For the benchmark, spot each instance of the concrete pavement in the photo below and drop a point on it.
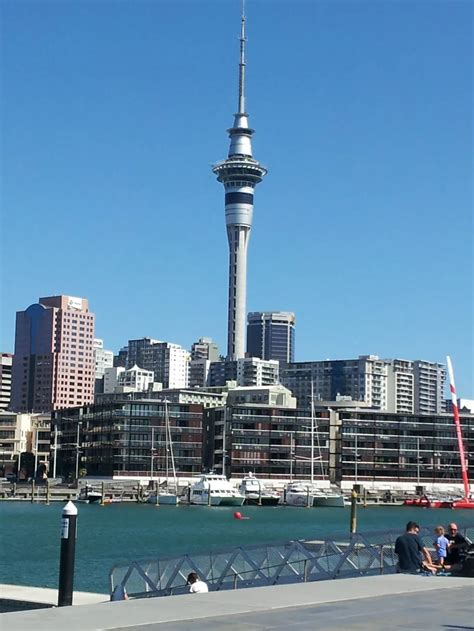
(389, 602)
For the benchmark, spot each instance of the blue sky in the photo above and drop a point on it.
(113, 113)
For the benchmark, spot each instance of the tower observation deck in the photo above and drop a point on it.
(239, 173)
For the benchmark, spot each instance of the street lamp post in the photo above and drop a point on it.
(55, 448)
(36, 452)
(77, 450)
(418, 460)
(356, 458)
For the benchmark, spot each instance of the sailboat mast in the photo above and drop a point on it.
(166, 442)
(457, 423)
(312, 433)
(173, 468)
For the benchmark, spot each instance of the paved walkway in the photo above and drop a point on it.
(375, 602)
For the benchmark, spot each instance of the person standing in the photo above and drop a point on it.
(196, 585)
(413, 555)
(441, 546)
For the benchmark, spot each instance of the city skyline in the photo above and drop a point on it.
(354, 231)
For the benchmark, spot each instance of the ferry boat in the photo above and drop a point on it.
(255, 492)
(214, 490)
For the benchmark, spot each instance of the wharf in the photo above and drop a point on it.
(369, 603)
(22, 597)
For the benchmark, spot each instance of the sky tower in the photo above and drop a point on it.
(239, 174)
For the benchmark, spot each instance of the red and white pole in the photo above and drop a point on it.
(457, 423)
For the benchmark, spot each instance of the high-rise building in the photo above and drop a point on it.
(53, 364)
(430, 378)
(271, 335)
(102, 357)
(393, 385)
(205, 348)
(362, 379)
(169, 362)
(239, 173)
(203, 352)
(247, 371)
(6, 360)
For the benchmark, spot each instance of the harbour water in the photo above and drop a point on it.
(29, 534)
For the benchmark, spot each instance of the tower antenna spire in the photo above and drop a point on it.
(241, 109)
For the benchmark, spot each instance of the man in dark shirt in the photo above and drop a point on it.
(457, 545)
(411, 551)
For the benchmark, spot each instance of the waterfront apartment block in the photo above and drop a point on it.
(169, 362)
(356, 445)
(124, 435)
(393, 385)
(6, 361)
(24, 434)
(53, 364)
(271, 335)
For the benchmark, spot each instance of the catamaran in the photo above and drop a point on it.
(214, 490)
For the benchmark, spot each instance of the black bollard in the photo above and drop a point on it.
(68, 550)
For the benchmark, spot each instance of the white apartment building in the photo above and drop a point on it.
(135, 379)
(253, 371)
(400, 386)
(102, 357)
(169, 362)
(429, 379)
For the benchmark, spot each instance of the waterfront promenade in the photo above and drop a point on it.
(369, 603)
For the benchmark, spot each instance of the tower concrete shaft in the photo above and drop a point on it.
(239, 173)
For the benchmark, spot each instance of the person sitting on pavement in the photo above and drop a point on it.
(197, 586)
(119, 593)
(457, 545)
(413, 555)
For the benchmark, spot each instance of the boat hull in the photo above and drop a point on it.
(463, 504)
(168, 499)
(264, 500)
(329, 501)
(301, 500)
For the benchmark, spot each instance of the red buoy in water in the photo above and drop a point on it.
(237, 515)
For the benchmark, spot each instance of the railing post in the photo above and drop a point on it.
(381, 558)
(353, 525)
(305, 574)
(236, 578)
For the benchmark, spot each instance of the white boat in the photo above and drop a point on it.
(255, 492)
(299, 494)
(330, 499)
(214, 490)
(89, 495)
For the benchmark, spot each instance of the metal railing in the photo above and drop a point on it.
(263, 565)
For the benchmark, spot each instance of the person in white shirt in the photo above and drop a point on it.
(197, 586)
